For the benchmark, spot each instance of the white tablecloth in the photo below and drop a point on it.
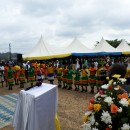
(36, 108)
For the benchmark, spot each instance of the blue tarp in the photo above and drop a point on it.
(96, 54)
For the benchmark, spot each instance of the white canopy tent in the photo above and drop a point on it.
(40, 49)
(43, 50)
(123, 47)
(76, 47)
(104, 46)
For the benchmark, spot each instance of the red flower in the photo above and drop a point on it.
(100, 91)
(110, 87)
(108, 129)
(91, 100)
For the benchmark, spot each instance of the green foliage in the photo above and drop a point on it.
(114, 43)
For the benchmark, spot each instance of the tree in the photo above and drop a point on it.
(114, 43)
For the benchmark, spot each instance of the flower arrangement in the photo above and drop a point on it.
(110, 109)
(38, 83)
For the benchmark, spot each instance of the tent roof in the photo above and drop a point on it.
(40, 49)
(76, 47)
(123, 47)
(104, 46)
(43, 50)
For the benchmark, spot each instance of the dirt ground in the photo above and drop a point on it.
(71, 106)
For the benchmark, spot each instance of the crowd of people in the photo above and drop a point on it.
(78, 75)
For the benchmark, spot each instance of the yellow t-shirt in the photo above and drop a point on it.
(84, 72)
(59, 70)
(50, 70)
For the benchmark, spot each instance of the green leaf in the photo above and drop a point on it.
(124, 120)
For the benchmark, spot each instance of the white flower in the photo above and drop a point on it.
(94, 129)
(103, 95)
(96, 123)
(114, 83)
(97, 95)
(88, 113)
(123, 80)
(125, 127)
(120, 109)
(124, 102)
(106, 118)
(108, 100)
(99, 99)
(105, 86)
(110, 126)
(116, 88)
(86, 126)
(92, 120)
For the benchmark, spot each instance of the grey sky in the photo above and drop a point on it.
(22, 22)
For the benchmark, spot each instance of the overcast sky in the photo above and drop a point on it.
(22, 22)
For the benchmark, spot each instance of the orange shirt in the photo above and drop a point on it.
(38, 70)
(92, 71)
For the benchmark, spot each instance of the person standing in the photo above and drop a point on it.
(92, 77)
(22, 76)
(77, 65)
(27, 66)
(39, 76)
(77, 79)
(31, 75)
(64, 76)
(70, 73)
(59, 75)
(6, 74)
(2, 75)
(84, 79)
(16, 69)
(10, 78)
(50, 71)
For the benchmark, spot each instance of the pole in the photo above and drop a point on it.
(10, 50)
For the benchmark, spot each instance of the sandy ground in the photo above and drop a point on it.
(71, 106)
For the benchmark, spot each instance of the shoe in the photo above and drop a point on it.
(69, 88)
(92, 91)
(59, 86)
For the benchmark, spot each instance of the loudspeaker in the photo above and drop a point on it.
(19, 58)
